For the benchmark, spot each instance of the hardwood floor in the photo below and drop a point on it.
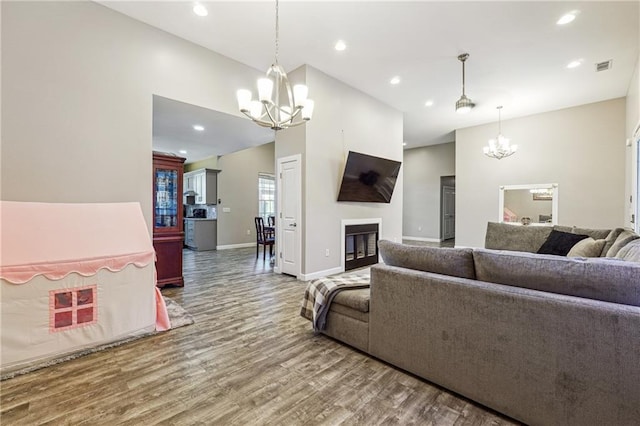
(248, 359)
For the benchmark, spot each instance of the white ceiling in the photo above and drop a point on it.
(173, 130)
(518, 55)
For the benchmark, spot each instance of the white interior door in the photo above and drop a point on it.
(289, 212)
(448, 212)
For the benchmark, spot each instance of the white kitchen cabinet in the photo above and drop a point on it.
(204, 182)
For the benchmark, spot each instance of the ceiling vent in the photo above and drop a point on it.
(603, 66)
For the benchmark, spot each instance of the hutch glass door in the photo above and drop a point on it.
(166, 203)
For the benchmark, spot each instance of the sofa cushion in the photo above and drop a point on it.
(563, 228)
(455, 262)
(504, 236)
(587, 248)
(630, 252)
(357, 299)
(594, 278)
(560, 243)
(623, 239)
(596, 234)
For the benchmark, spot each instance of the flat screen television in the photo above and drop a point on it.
(368, 179)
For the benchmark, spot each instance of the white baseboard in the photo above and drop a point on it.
(320, 274)
(426, 240)
(235, 246)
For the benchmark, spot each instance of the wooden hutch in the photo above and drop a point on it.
(168, 232)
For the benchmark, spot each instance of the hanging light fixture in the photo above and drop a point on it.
(499, 147)
(277, 107)
(464, 104)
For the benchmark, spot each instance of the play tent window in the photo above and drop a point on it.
(71, 308)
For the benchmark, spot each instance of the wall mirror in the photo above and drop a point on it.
(535, 204)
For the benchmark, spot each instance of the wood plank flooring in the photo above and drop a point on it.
(249, 359)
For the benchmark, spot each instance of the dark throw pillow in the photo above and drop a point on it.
(559, 243)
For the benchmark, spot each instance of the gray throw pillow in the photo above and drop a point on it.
(587, 248)
(623, 239)
(630, 252)
(594, 278)
(455, 262)
(610, 239)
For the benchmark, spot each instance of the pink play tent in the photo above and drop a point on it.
(72, 277)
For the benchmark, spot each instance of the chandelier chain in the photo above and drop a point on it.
(277, 31)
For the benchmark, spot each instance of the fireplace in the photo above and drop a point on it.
(360, 245)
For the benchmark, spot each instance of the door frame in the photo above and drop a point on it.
(279, 161)
(634, 143)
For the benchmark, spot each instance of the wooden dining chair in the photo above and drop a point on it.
(271, 222)
(263, 238)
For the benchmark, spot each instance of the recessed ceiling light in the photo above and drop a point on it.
(182, 151)
(340, 45)
(429, 103)
(395, 80)
(574, 64)
(198, 127)
(200, 10)
(404, 144)
(567, 18)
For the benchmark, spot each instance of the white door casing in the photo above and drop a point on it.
(635, 187)
(289, 190)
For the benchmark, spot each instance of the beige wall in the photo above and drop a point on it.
(423, 168)
(77, 87)
(238, 191)
(581, 148)
(344, 119)
(631, 169)
(207, 163)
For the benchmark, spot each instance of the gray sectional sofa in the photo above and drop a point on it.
(544, 339)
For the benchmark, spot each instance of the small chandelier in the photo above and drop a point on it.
(499, 147)
(464, 104)
(277, 107)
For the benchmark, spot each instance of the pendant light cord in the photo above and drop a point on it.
(463, 78)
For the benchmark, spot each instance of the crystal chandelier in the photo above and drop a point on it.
(499, 147)
(464, 104)
(277, 107)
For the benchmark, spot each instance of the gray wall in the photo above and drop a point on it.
(581, 148)
(423, 168)
(344, 119)
(77, 82)
(238, 190)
